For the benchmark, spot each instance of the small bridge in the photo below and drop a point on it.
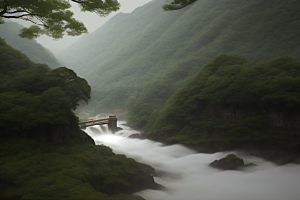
(111, 121)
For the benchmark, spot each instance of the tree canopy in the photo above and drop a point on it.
(201, 110)
(53, 17)
(34, 96)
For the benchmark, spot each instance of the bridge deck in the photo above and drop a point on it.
(111, 122)
(95, 122)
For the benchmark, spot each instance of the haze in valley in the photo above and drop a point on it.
(91, 20)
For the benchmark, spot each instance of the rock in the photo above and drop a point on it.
(148, 169)
(230, 162)
(148, 184)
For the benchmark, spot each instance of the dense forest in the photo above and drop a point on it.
(35, 51)
(159, 51)
(223, 74)
(74, 170)
(44, 154)
(35, 97)
(234, 100)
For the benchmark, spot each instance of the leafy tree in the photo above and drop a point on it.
(53, 17)
(198, 112)
(32, 96)
(76, 88)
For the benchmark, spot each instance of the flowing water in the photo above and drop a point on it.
(188, 177)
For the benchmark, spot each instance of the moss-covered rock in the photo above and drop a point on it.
(230, 162)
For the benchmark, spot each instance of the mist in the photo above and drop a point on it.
(91, 20)
(187, 174)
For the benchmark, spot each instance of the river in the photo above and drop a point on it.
(189, 177)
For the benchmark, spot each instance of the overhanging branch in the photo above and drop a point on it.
(17, 11)
(26, 19)
(19, 16)
(77, 1)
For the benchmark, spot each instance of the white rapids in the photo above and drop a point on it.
(189, 176)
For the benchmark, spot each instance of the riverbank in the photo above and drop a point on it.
(186, 173)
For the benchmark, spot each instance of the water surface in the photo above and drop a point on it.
(189, 177)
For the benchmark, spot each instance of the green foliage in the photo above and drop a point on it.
(32, 96)
(158, 52)
(177, 4)
(53, 16)
(30, 170)
(76, 88)
(197, 112)
(31, 32)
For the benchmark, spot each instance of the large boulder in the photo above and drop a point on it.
(230, 162)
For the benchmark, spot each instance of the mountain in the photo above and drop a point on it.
(138, 60)
(36, 52)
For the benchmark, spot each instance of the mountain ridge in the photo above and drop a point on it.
(35, 51)
(142, 58)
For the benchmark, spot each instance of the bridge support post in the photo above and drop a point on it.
(112, 124)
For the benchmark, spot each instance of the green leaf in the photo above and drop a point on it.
(31, 32)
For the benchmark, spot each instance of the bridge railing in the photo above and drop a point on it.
(111, 121)
(96, 121)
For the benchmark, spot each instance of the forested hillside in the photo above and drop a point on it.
(35, 51)
(37, 102)
(138, 60)
(43, 153)
(234, 103)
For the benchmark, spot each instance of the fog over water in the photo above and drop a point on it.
(190, 178)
